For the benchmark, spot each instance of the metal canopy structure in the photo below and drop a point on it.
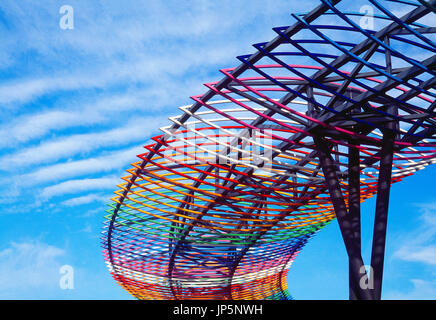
(324, 116)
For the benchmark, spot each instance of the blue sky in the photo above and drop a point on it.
(77, 105)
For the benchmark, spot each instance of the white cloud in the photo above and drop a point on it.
(62, 171)
(76, 113)
(32, 126)
(96, 54)
(79, 185)
(422, 290)
(29, 266)
(418, 253)
(420, 245)
(50, 151)
(147, 70)
(85, 200)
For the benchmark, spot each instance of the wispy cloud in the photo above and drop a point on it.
(79, 185)
(420, 244)
(63, 171)
(421, 290)
(90, 198)
(96, 54)
(33, 126)
(29, 266)
(54, 150)
(76, 113)
(146, 70)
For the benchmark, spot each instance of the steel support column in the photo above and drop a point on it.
(354, 210)
(381, 213)
(329, 169)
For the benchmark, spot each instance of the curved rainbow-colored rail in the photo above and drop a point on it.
(221, 203)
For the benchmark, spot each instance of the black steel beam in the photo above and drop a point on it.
(345, 225)
(354, 211)
(381, 213)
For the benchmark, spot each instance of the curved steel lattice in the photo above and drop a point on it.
(221, 203)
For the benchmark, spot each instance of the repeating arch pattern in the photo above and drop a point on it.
(221, 203)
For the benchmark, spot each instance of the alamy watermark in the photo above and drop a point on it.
(66, 282)
(367, 278)
(66, 21)
(367, 20)
(191, 145)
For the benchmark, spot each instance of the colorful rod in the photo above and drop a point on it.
(220, 204)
